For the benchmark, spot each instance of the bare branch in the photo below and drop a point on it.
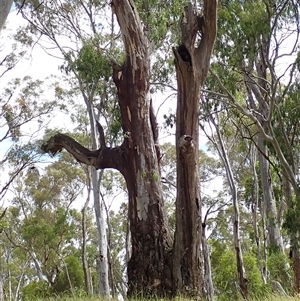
(80, 153)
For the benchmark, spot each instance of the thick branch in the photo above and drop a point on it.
(104, 157)
(189, 26)
(210, 23)
(209, 33)
(80, 153)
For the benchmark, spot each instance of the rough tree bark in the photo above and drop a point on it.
(137, 159)
(150, 266)
(192, 64)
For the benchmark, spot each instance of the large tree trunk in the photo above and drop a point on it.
(150, 265)
(150, 236)
(191, 68)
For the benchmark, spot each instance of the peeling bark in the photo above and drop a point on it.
(192, 64)
(149, 270)
(150, 236)
(150, 265)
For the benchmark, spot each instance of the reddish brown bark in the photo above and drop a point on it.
(150, 266)
(192, 64)
(147, 270)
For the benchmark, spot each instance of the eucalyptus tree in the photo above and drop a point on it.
(41, 223)
(24, 107)
(216, 138)
(256, 85)
(164, 270)
(82, 25)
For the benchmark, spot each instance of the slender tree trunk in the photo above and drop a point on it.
(5, 6)
(2, 296)
(87, 283)
(243, 282)
(274, 233)
(111, 272)
(254, 209)
(103, 269)
(208, 283)
(291, 221)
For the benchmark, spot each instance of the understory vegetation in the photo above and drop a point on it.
(150, 149)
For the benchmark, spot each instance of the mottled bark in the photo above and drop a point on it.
(254, 209)
(87, 282)
(2, 296)
(192, 64)
(208, 283)
(269, 203)
(150, 264)
(137, 159)
(5, 6)
(148, 272)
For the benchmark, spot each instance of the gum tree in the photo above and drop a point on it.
(156, 266)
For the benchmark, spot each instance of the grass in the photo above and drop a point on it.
(276, 298)
(271, 298)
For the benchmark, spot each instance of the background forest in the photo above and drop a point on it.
(65, 226)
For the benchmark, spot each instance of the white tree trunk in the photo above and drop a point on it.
(255, 205)
(208, 283)
(102, 239)
(2, 296)
(103, 269)
(5, 6)
(219, 145)
(274, 233)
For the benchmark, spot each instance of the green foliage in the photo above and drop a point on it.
(239, 39)
(160, 16)
(36, 290)
(225, 275)
(91, 63)
(71, 274)
(279, 268)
